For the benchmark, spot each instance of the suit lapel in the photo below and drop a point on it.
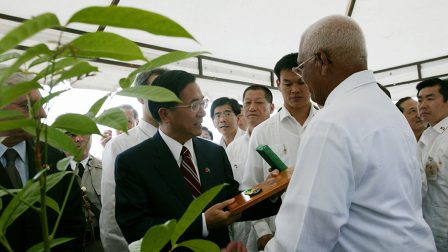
(202, 160)
(169, 171)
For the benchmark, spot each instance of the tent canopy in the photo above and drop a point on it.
(409, 34)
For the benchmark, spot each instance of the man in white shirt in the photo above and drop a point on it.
(224, 113)
(357, 185)
(257, 107)
(433, 151)
(111, 235)
(282, 132)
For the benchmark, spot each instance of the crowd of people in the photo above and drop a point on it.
(369, 175)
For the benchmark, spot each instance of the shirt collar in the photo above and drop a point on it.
(284, 113)
(353, 81)
(20, 148)
(174, 146)
(146, 127)
(441, 126)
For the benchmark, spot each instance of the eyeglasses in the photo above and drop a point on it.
(194, 106)
(225, 114)
(298, 69)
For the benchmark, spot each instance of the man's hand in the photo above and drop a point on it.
(262, 241)
(216, 216)
(234, 246)
(107, 135)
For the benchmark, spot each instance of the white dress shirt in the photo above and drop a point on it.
(111, 235)
(21, 160)
(434, 144)
(282, 133)
(239, 132)
(237, 154)
(357, 185)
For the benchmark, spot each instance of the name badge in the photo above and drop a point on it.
(431, 170)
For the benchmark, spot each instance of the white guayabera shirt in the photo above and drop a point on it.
(357, 185)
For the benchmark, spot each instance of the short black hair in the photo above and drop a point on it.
(143, 77)
(209, 131)
(443, 86)
(286, 62)
(399, 102)
(175, 81)
(225, 101)
(267, 92)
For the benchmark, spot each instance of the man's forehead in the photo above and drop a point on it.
(224, 107)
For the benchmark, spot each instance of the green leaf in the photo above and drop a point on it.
(158, 236)
(55, 138)
(12, 92)
(93, 111)
(4, 191)
(199, 245)
(56, 66)
(162, 60)
(114, 118)
(131, 18)
(64, 163)
(40, 246)
(105, 45)
(194, 209)
(39, 104)
(76, 124)
(40, 60)
(30, 194)
(40, 49)
(6, 114)
(28, 29)
(8, 56)
(16, 124)
(152, 93)
(51, 203)
(78, 70)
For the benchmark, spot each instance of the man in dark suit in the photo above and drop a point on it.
(151, 184)
(25, 231)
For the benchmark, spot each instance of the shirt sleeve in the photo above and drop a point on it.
(111, 236)
(311, 215)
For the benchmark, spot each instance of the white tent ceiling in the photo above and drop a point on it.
(259, 32)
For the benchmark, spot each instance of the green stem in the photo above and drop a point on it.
(5, 243)
(63, 204)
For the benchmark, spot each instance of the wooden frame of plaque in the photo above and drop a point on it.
(269, 187)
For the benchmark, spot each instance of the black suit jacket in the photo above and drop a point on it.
(26, 230)
(150, 188)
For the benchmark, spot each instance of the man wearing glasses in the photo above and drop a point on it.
(157, 179)
(225, 114)
(282, 132)
(356, 184)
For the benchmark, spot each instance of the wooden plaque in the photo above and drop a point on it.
(269, 187)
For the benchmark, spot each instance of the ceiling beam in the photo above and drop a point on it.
(350, 7)
(101, 28)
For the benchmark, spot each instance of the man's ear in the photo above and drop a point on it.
(164, 115)
(271, 108)
(325, 62)
(278, 82)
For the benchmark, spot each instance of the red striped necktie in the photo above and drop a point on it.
(189, 172)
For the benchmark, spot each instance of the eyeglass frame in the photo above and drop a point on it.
(226, 114)
(202, 103)
(298, 70)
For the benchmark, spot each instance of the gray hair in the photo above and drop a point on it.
(340, 37)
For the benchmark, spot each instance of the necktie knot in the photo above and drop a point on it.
(185, 152)
(11, 155)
